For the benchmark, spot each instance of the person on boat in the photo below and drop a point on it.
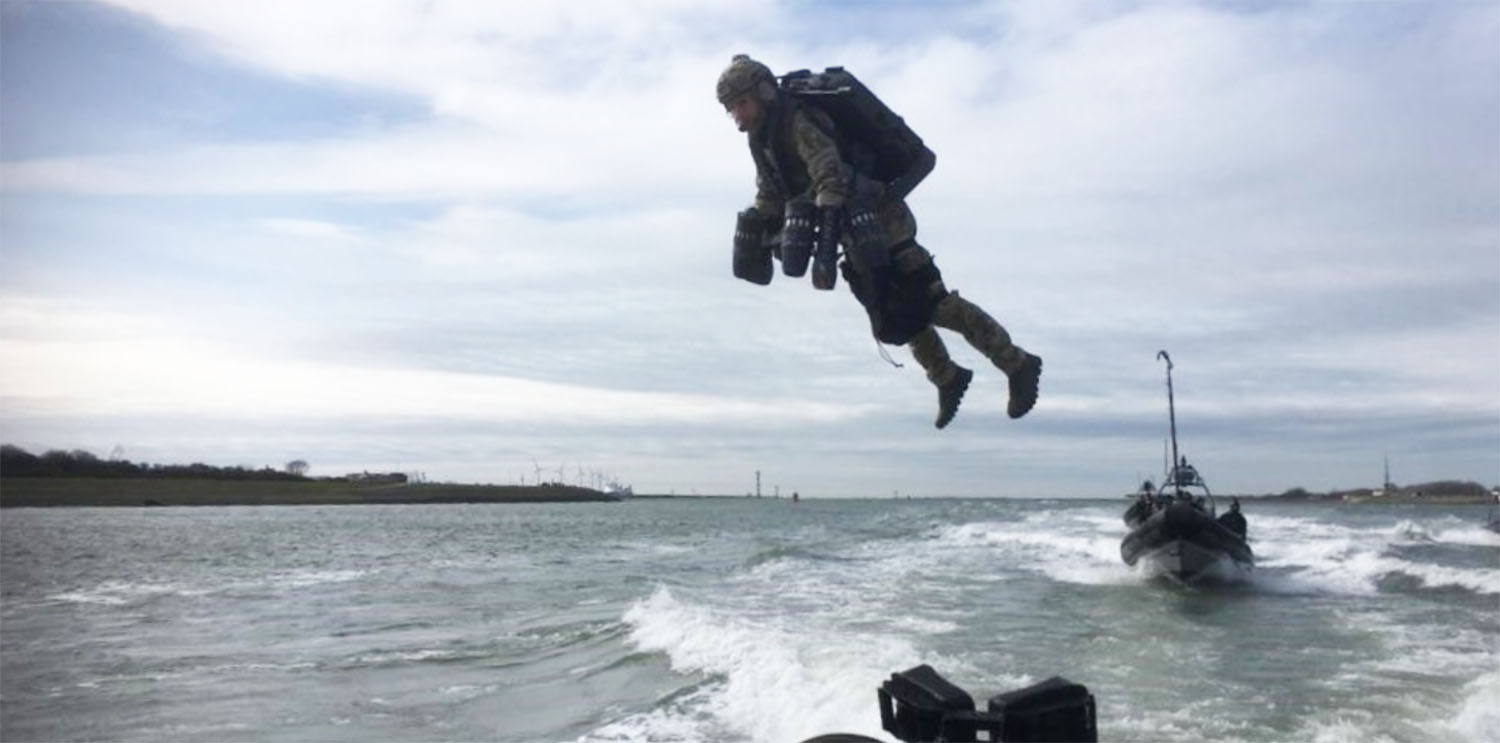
(796, 149)
(1186, 473)
(1233, 520)
(1140, 510)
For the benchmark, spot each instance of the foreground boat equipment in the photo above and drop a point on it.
(920, 705)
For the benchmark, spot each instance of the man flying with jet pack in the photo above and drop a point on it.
(833, 167)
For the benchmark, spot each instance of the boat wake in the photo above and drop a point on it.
(774, 679)
(1308, 556)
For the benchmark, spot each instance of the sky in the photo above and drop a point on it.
(482, 241)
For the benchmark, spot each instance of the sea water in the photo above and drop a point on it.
(729, 620)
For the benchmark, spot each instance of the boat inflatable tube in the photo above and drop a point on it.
(1182, 522)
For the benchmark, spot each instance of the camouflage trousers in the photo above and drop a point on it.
(952, 312)
(977, 327)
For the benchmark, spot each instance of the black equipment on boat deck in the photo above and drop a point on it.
(918, 704)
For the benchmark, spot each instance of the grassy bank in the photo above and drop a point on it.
(31, 492)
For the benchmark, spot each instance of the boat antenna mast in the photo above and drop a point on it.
(1172, 420)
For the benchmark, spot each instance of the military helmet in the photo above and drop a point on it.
(742, 76)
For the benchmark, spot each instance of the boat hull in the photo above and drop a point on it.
(1188, 544)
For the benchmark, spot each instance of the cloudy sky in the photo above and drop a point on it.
(474, 239)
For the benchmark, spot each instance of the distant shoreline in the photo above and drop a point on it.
(1434, 500)
(1449, 499)
(43, 492)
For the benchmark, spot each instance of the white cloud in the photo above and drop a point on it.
(311, 229)
(1112, 179)
(150, 374)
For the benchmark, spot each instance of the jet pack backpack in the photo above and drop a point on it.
(876, 141)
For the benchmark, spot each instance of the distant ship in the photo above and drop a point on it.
(618, 490)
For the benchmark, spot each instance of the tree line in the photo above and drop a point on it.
(1436, 487)
(17, 462)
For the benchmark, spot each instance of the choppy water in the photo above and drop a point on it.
(733, 620)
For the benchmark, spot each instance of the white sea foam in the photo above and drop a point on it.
(1072, 555)
(780, 679)
(303, 578)
(1359, 575)
(1340, 728)
(1479, 717)
(656, 548)
(1410, 531)
(96, 596)
(923, 625)
(1319, 557)
(205, 731)
(677, 723)
(1411, 658)
(1447, 529)
(1486, 581)
(119, 593)
(1415, 649)
(1468, 534)
(391, 657)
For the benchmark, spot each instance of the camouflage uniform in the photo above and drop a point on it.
(800, 158)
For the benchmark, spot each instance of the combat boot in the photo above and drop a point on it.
(951, 394)
(1023, 384)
